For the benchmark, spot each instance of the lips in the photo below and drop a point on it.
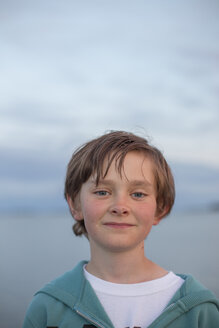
(120, 225)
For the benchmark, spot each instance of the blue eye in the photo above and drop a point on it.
(138, 194)
(101, 193)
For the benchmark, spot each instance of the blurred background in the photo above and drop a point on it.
(72, 70)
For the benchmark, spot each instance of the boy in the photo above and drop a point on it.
(117, 187)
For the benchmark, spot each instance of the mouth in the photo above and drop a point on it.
(116, 225)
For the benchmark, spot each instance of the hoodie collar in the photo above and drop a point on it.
(73, 290)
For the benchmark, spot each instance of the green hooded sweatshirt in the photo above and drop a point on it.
(70, 301)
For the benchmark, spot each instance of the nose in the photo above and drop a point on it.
(120, 204)
(119, 207)
(119, 210)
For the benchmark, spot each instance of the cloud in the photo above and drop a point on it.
(72, 70)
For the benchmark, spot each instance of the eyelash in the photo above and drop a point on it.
(138, 193)
(101, 193)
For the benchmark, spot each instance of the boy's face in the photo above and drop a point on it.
(119, 212)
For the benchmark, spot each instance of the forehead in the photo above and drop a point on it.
(133, 165)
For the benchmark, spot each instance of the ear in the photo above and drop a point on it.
(159, 215)
(157, 220)
(75, 209)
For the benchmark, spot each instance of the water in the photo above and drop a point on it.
(35, 250)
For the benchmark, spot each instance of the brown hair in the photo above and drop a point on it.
(89, 159)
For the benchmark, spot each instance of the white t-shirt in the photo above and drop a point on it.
(135, 305)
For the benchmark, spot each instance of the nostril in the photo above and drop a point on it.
(119, 211)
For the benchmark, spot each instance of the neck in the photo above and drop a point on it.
(123, 267)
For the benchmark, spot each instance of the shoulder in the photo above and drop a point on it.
(55, 295)
(36, 312)
(192, 305)
(205, 314)
(193, 297)
(70, 282)
(191, 287)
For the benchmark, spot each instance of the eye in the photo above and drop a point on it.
(101, 193)
(138, 194)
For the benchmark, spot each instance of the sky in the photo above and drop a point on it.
(72, 70)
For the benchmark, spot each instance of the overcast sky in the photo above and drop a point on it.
(70, 70)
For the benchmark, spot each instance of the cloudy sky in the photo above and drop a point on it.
(71, 70)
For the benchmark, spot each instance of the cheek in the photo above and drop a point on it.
(91, 211)
(91, 214)
(147, 209)
(146, 213)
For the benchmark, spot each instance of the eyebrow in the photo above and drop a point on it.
(140, 183)
(133, 183)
